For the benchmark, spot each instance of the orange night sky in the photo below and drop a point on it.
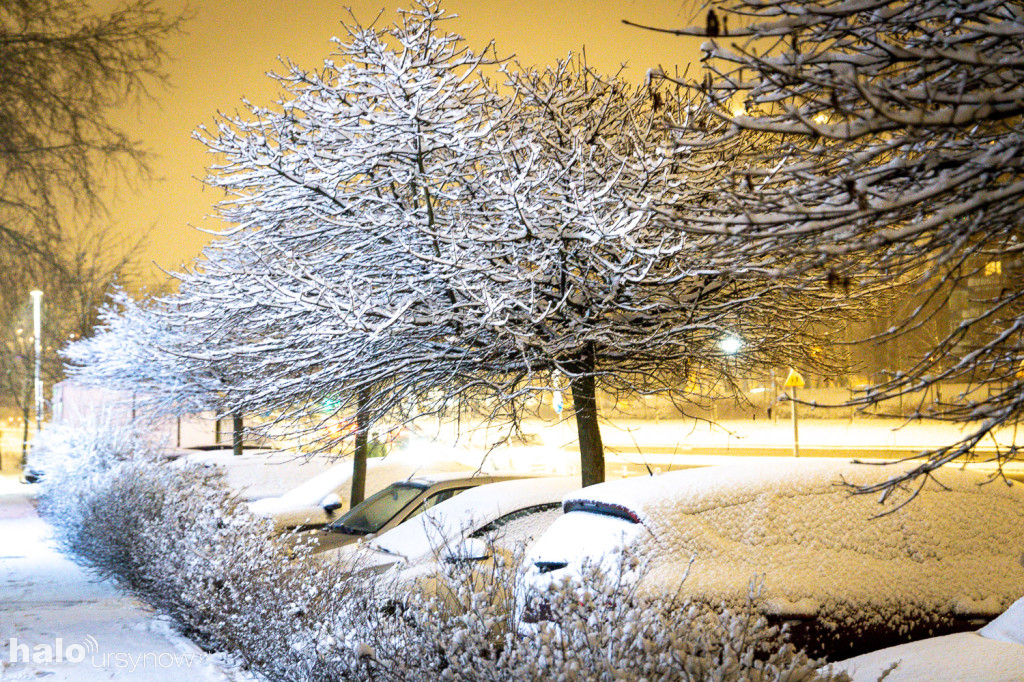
(230, 45)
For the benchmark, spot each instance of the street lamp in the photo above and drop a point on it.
(37, 300)
(730, 345)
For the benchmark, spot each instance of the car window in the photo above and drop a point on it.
(436, 499)
(370, 515)
(521, 526)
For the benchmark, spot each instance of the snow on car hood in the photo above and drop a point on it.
(259, 474)
(957, 545)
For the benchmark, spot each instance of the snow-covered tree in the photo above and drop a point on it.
(892, 151)
(135, 348)
(65, 67)
(405, 236)
(578, 279)
(75, 279)
(340, 196)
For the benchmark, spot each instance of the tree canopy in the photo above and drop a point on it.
(64, 69)
(404, 235)
(891, 154)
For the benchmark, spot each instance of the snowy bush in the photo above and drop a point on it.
(67, 455)
(463, 627)
(180, 540)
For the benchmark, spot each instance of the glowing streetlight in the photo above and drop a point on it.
(37, 301)
(730, 345)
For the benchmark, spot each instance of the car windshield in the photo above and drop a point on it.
(370, 515)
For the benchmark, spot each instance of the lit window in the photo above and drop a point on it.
(993, 268)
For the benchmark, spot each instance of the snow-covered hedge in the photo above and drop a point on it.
(468, 628)
(177, 538)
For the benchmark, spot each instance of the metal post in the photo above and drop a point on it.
(37, 297)
(796, 430)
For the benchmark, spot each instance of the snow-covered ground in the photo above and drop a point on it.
(57, 622)
(837, 433)
(630, 448)
(667, 445)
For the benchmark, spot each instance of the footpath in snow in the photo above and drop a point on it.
(58, 622)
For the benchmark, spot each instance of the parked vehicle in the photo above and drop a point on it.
(224, 448)
(494, 517)
(324, 497)
(258, 472)
(849, 575)
(396, 503)
(31, 474)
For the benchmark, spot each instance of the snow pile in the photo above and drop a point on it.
(1009, 627)
(994, 654)
(963, 657)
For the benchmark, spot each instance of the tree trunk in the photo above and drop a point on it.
(584, 398)
(236, 433)
(359, 459)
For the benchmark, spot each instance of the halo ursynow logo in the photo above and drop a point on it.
(58, 653)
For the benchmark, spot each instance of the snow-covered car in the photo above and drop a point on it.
(31, 474)
(393, 505)
(849, 575)
(324, 497)
(995, 653)
(496, 517)
(258, 472)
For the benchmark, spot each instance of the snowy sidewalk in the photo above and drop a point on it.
(64, 624)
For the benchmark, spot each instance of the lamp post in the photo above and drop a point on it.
(37, 300)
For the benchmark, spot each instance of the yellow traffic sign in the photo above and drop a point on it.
(794, 380)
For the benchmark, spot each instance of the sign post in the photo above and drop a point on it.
(794, 381)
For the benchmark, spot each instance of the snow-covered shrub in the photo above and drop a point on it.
(599, 627)
(69, 455)
(180, 540)
(464, 627)
(77, 462)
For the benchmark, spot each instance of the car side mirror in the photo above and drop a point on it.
(470, 549)
(331, 504)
